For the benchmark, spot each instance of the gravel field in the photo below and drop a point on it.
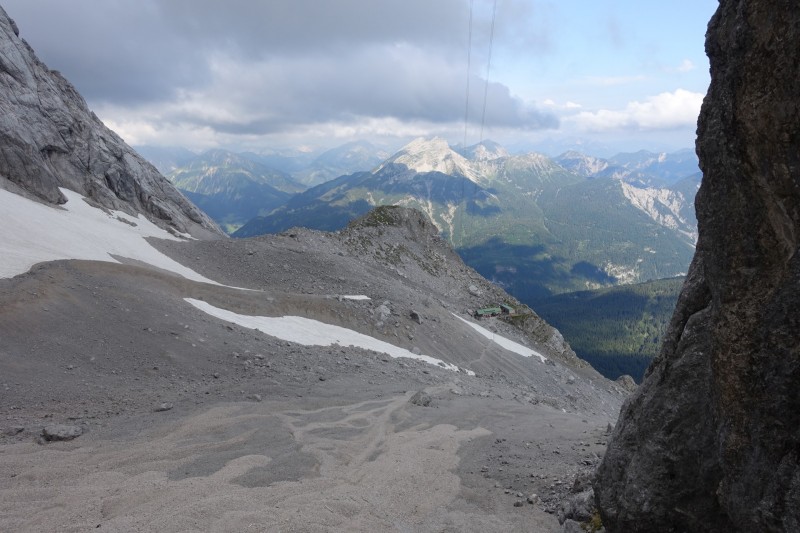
(190, 423)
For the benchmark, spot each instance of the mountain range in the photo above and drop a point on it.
(532, 224)
(185, 380)
(231, 188)
(160, 376)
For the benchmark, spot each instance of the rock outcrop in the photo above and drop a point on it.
(711, 440)
(49, 139)
(407, 242)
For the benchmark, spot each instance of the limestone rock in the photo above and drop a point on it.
(711, 439)
(49, 139)
(571, 526)
(421, 398)
(577, 506)
(165, 406)
(57, 432)
(626, 382)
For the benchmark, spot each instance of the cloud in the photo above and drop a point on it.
(686, 66)
(568, 105)
(242, 68)
(664, 111)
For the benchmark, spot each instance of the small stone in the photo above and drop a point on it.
(166, 406)
(571, 526)
(518, 503)
(255, 397)
(56, 432)
(421, 398)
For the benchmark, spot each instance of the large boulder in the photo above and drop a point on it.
(50, 139)
(711, 439)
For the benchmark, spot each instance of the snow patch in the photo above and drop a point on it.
(508, 344)
(32, 233)
(309, 332)
(356, 297)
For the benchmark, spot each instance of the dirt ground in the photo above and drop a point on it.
(190, 423)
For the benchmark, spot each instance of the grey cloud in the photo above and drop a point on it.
(401, 83)
(252, 67)
(120, 52)
(298, 26)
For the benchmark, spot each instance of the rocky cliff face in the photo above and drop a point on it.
(711, 440)
(49, 139)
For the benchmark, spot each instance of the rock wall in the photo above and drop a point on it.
(711, 440)
(49, 139)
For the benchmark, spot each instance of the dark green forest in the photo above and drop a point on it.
(618, 330)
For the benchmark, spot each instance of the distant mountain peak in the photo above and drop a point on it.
(486, 151)
(433, 155)
(582, 164)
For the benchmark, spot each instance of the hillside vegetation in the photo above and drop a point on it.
(618, 330)
(522, 221)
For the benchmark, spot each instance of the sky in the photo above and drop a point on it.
(607, 75)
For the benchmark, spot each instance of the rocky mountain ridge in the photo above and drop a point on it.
(50, 139)
(431, 155)
(241, 383)
(523, 221)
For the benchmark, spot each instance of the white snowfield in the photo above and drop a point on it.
(508, 344)
(31, 232)
(309, 332)
(356, 297)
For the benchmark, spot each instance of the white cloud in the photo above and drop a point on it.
(686, 66)
(568, 105)
(661, 112)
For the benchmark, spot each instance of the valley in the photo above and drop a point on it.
(539, 227)
(184, 418)
(618, 330)
(335, 336)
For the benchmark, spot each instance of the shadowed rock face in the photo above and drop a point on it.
(49, 139)
(711, 440)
